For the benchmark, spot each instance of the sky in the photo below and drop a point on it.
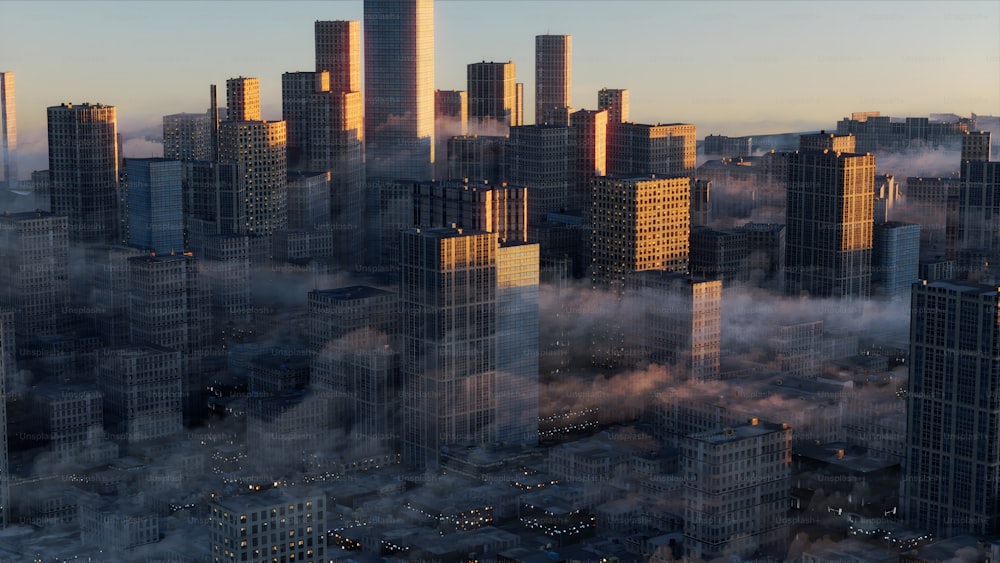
(734, 68)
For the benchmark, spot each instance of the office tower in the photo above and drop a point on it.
(348, 319)
(638, 224)
(187, 136)
(616, 102)
(492, 208)
(701, 201)
(951, 483)
(85, 138)
(492, 89)
(259, 147)
(142, 392)
(719, 254)
(829, 212)
(590, 136)
(541, 159)
(8, 129)
(978, 216)
(168, 302)
(451, 118)
(34, 274)
(766, 255)
(154, 204)
(399, 88)
(300, 93)
(214, 200)
(338, 51)
(108, 270)
(448, 298)
(286, 522)
(478, 157)
(390, 209)
(243, 99)
(308, 200)
(895, 256)
(736, 508)
(73, 417)
(226, 261)
(516, 400)
(553, 78)
(40, 187)
(682, 323)
(636, 148)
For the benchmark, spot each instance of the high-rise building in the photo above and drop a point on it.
(553, 78)
(640, 223)
(951, 482)
(492, 89)
(85, 138)
(214, 200)
(636, 148)
(6, 370)
(243, 99)
(260, 147)
(540, 158)
(168, 302)
(300, 92)
(616, 102)
(399, 88)
(187, 136)
(308, 200)
(478, 157)
(895, 257)
(682, 323)
(830, 202)
(737, 485)
(453, 283)
(8, 129)
(451, 119)
(516, 401)
(590, 158)
(493, 208)
(154, 207)
(338, 51)
(142, 392)
(34, 274)
(978, 218)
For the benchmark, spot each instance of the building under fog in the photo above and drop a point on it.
(829, 211)
(951, 481)
(737, 485)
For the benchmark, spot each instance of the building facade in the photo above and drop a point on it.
(399, 88)
(83, 169)
(34, 275)
(492, 91)
(952, 468)
(8, 129)
(154, 204)
(553, 78)
(830, 208)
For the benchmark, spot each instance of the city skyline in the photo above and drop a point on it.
(742, 65)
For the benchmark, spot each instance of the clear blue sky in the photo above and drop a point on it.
(735, 68)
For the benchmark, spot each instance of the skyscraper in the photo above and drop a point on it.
(142, 391)
(492, 89)
(399, 88)
(155, 204)
(830, 208)
(540, 158)
(639, 224)
(616, 102)
(260, 148)
(978, 217)
(553, 78)
(8, 129)
(951, 483)
(34, 274)
(637, 148)
(516, 401)
(338, 51)
(187, 136)
(83, 169)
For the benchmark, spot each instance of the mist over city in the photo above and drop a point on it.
(500, 281)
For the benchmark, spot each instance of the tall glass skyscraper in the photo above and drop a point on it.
(155, 204)
(553, 78)
(951, 483)
(399, 88)
(8, 129)
(83, 169)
